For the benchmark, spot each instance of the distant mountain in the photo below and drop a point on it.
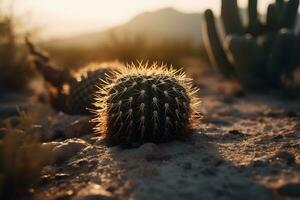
(166, 23)
(162, 24)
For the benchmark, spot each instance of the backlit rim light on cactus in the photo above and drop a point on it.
(94, 66)
(144, 70)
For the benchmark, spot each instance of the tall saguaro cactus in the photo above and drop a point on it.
(261, 53)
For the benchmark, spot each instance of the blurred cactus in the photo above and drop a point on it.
(146, 105)
(72, 93)
(83, 92)
(260, 54)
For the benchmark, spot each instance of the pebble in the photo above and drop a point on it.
(94, 192)
(68, 149)
(236, 132)
(61, 176)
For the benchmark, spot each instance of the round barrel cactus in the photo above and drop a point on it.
(144, 104)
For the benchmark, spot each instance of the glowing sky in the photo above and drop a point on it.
(62, 18)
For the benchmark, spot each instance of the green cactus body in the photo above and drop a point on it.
(284, 56)
(290, 14)
(143, 106)
(254, 25)
(231, 17)
(248, 58)
(82, 94)
(264, 58)
(214, 46)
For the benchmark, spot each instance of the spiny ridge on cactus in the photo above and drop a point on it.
(82, 93)
(260, 54)
(146, 104)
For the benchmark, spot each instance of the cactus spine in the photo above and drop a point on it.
(259, 54)
(146, 105)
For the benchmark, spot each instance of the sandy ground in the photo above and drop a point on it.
(245, 148)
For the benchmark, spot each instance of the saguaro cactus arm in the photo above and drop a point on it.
(290, 14)
(231, 17)
(248, 58)
(284, 55)
(214, 46)
(254, 24)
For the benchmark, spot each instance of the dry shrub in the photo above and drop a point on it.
(22, 158)
(14, 65)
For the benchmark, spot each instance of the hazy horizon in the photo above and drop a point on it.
(65, 18)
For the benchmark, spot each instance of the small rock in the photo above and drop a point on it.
(290, 190)
(61, 176)
(94, 192)
(288, 157)
(51, 145)
(68, 149)
(65, 195)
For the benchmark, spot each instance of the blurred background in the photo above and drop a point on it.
(255, 135)
(78, 32)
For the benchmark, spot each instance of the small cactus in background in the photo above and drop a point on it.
(260, 54)
(146, 104)
(69, 92)
(82, 94)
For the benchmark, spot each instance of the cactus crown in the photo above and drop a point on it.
(146, 104)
